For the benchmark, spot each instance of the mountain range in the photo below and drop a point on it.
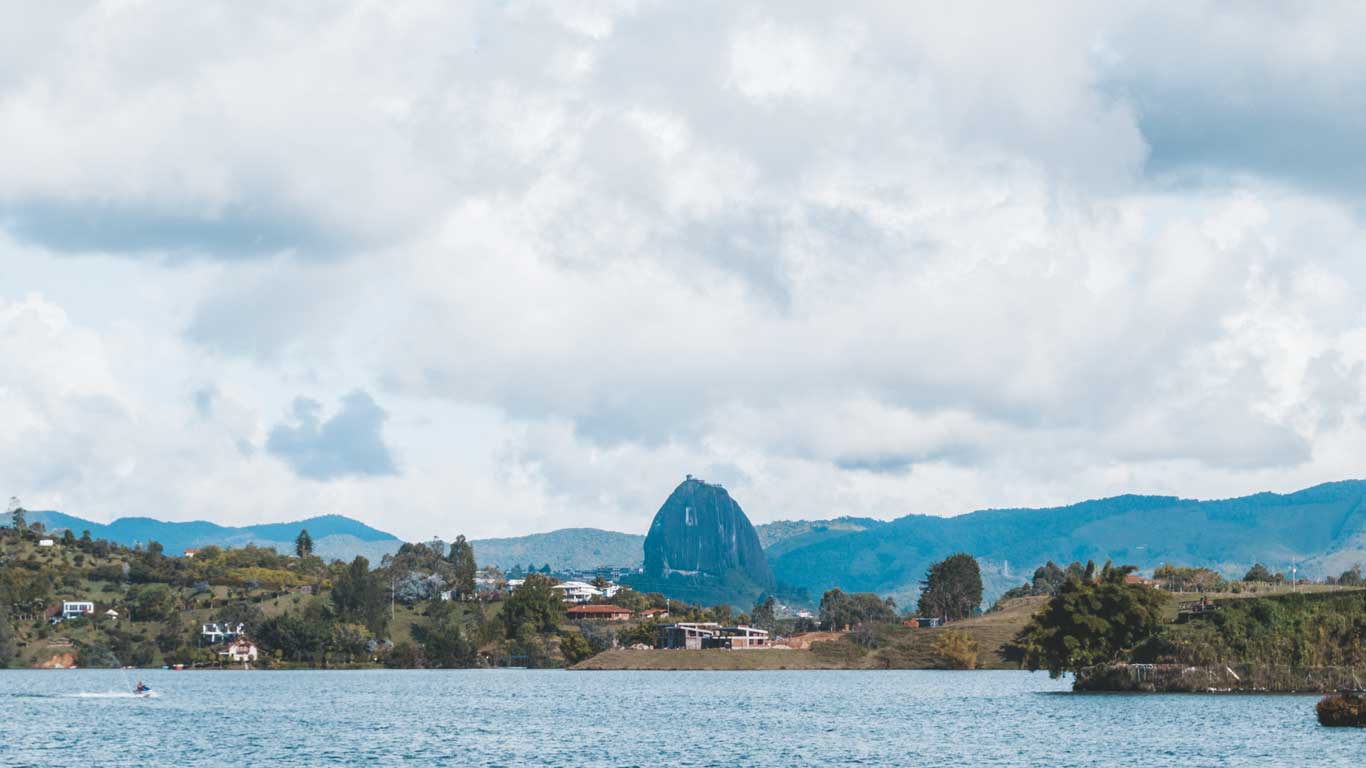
(1321, 529)
(334, 536)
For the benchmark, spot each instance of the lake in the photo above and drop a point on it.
(558, 718)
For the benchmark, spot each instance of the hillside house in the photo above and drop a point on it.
(598, 613)
(76, 609)
(190, 553)
(577, 591)
(654, 613)
(696, 636)
(111, 614)
(240, 651)
(46, 542)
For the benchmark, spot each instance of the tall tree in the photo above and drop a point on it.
(359, 596)
(303, 544)
(1090, 621)
(952, 588)
(764, 615)
(534, 606)
(18, 519)
(462, 562)
(1258, 572)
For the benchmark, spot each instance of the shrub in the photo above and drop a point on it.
(1342, 710)
(954, 650)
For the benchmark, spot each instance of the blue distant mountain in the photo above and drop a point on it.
(334, 536)
(1322, 529)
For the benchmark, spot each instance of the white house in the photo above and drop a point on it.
(71, 610)
(240, 650)
(111, 614)
(46, 542)
(577, 591)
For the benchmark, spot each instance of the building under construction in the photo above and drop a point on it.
(695, 636)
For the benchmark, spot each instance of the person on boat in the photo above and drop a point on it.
(142, 688)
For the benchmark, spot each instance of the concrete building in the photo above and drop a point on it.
(696, 636)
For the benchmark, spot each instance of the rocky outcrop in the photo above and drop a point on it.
(701, 533)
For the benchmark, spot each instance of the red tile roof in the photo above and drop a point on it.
(603, 609)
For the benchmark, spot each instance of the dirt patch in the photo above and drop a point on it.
(58, 661)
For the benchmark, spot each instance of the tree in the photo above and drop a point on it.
(1352, 577)
(1090, 621)
(952, 588)
(764, 616)
(8, 645)
(303, 544)
(150, 602)
(953, 649)
(350, 640)
(533, 605)
(462, 562)
(840, 609)
(359, 596)
(1258, 572)
(19, 520)
(444, 643)
(574, 647)
(68, 539)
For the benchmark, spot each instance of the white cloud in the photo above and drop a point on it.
(879, 261)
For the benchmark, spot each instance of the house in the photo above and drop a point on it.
(220, 631)
(578, 591)
(695, 636)
(190, 553)
(515, 583)
(599, 612)
(240, 650)
(72, 610)
(446, 596)
(1133, 578)
(46, 542)
(111, 614)
(654, 613)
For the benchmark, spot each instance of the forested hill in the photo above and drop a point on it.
(1323, 529)
(334, 536)
(564, 549)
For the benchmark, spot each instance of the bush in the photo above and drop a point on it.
(574, 647)
(1342, 710)
(953, 649)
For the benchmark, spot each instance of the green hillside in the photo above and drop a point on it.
(565, 549)
(1321, 528)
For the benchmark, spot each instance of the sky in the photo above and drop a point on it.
(495, 268)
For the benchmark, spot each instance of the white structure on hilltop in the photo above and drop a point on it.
(218, 632)
(72, 610)
(579, 592)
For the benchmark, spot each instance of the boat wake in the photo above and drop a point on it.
(113, 695)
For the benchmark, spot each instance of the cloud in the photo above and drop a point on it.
(878, 260)
(348, 444)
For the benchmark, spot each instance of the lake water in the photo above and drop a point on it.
(557, 718)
